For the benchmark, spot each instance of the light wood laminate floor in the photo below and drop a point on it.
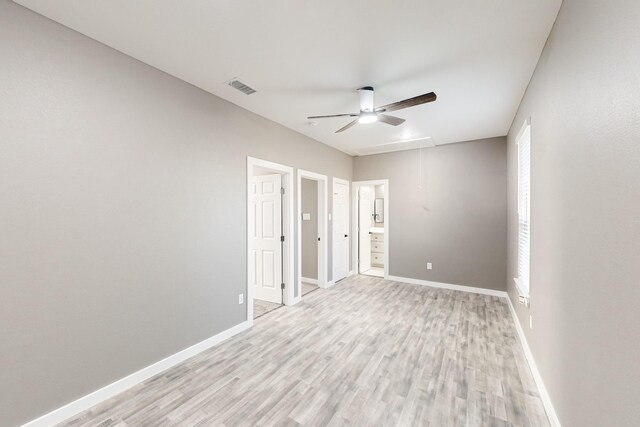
(365, 352)
(260, 308)
(308, 287)
(374, 271)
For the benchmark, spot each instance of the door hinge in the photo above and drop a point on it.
(282, 238)
(282, 190)
(281, 285)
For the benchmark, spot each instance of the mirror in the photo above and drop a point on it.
(378, 210)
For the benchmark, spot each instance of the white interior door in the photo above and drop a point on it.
(365, 212)
(340, 230)
(267, 229)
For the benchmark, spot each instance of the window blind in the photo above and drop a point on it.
(524, 209)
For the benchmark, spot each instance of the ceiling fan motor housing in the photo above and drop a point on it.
(368, 113)
(366, 98)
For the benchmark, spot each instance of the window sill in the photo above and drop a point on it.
(522, 294)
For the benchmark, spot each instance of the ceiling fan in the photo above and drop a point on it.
(369, 114)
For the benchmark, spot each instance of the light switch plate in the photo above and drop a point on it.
(240, 298)
(306, 216)
(429, 266)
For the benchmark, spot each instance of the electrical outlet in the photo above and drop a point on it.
(429, 266)
(240, 298)
(530, 322)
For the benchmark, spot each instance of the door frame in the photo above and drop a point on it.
(333, 243)
(358, 267)
(355, 187)
(323, 226)
(287, 216)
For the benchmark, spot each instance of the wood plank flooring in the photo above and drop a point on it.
(308, 287)
(374, 271)
(365, 352)
(260, 308)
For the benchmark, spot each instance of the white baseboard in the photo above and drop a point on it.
(544, 395)
(471, 289)
(329, 284)
(312, 281)
(91, 399)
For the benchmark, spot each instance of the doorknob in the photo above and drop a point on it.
(346, 235)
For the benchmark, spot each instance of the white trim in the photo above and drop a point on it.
(287, 183)
(523, 128)
(450, 286)
(323, 227)
(82, 404)
(333, 243)
(544, 395)
(520, 289)
(523, 285)
(354, 222)
(308, 280)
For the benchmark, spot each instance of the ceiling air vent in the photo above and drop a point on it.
(237, 84)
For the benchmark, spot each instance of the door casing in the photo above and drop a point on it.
(287, 212)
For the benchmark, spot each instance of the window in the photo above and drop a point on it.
(524, 208)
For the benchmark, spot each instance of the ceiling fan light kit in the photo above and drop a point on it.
(367, 117)
(369, 114)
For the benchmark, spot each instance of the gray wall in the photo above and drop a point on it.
(123, 219)
(457, 219)
(584, 104)
(309, 240)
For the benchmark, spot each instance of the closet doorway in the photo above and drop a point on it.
(371, 227)
(312, 232)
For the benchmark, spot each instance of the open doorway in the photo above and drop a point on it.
(269, 236)
(312, 232)
(371, 227)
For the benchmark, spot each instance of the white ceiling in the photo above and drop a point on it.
(308, 57)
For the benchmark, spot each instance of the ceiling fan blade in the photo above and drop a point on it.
(390, 120)
(411, 102)
(332, 115)
(342, 129)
